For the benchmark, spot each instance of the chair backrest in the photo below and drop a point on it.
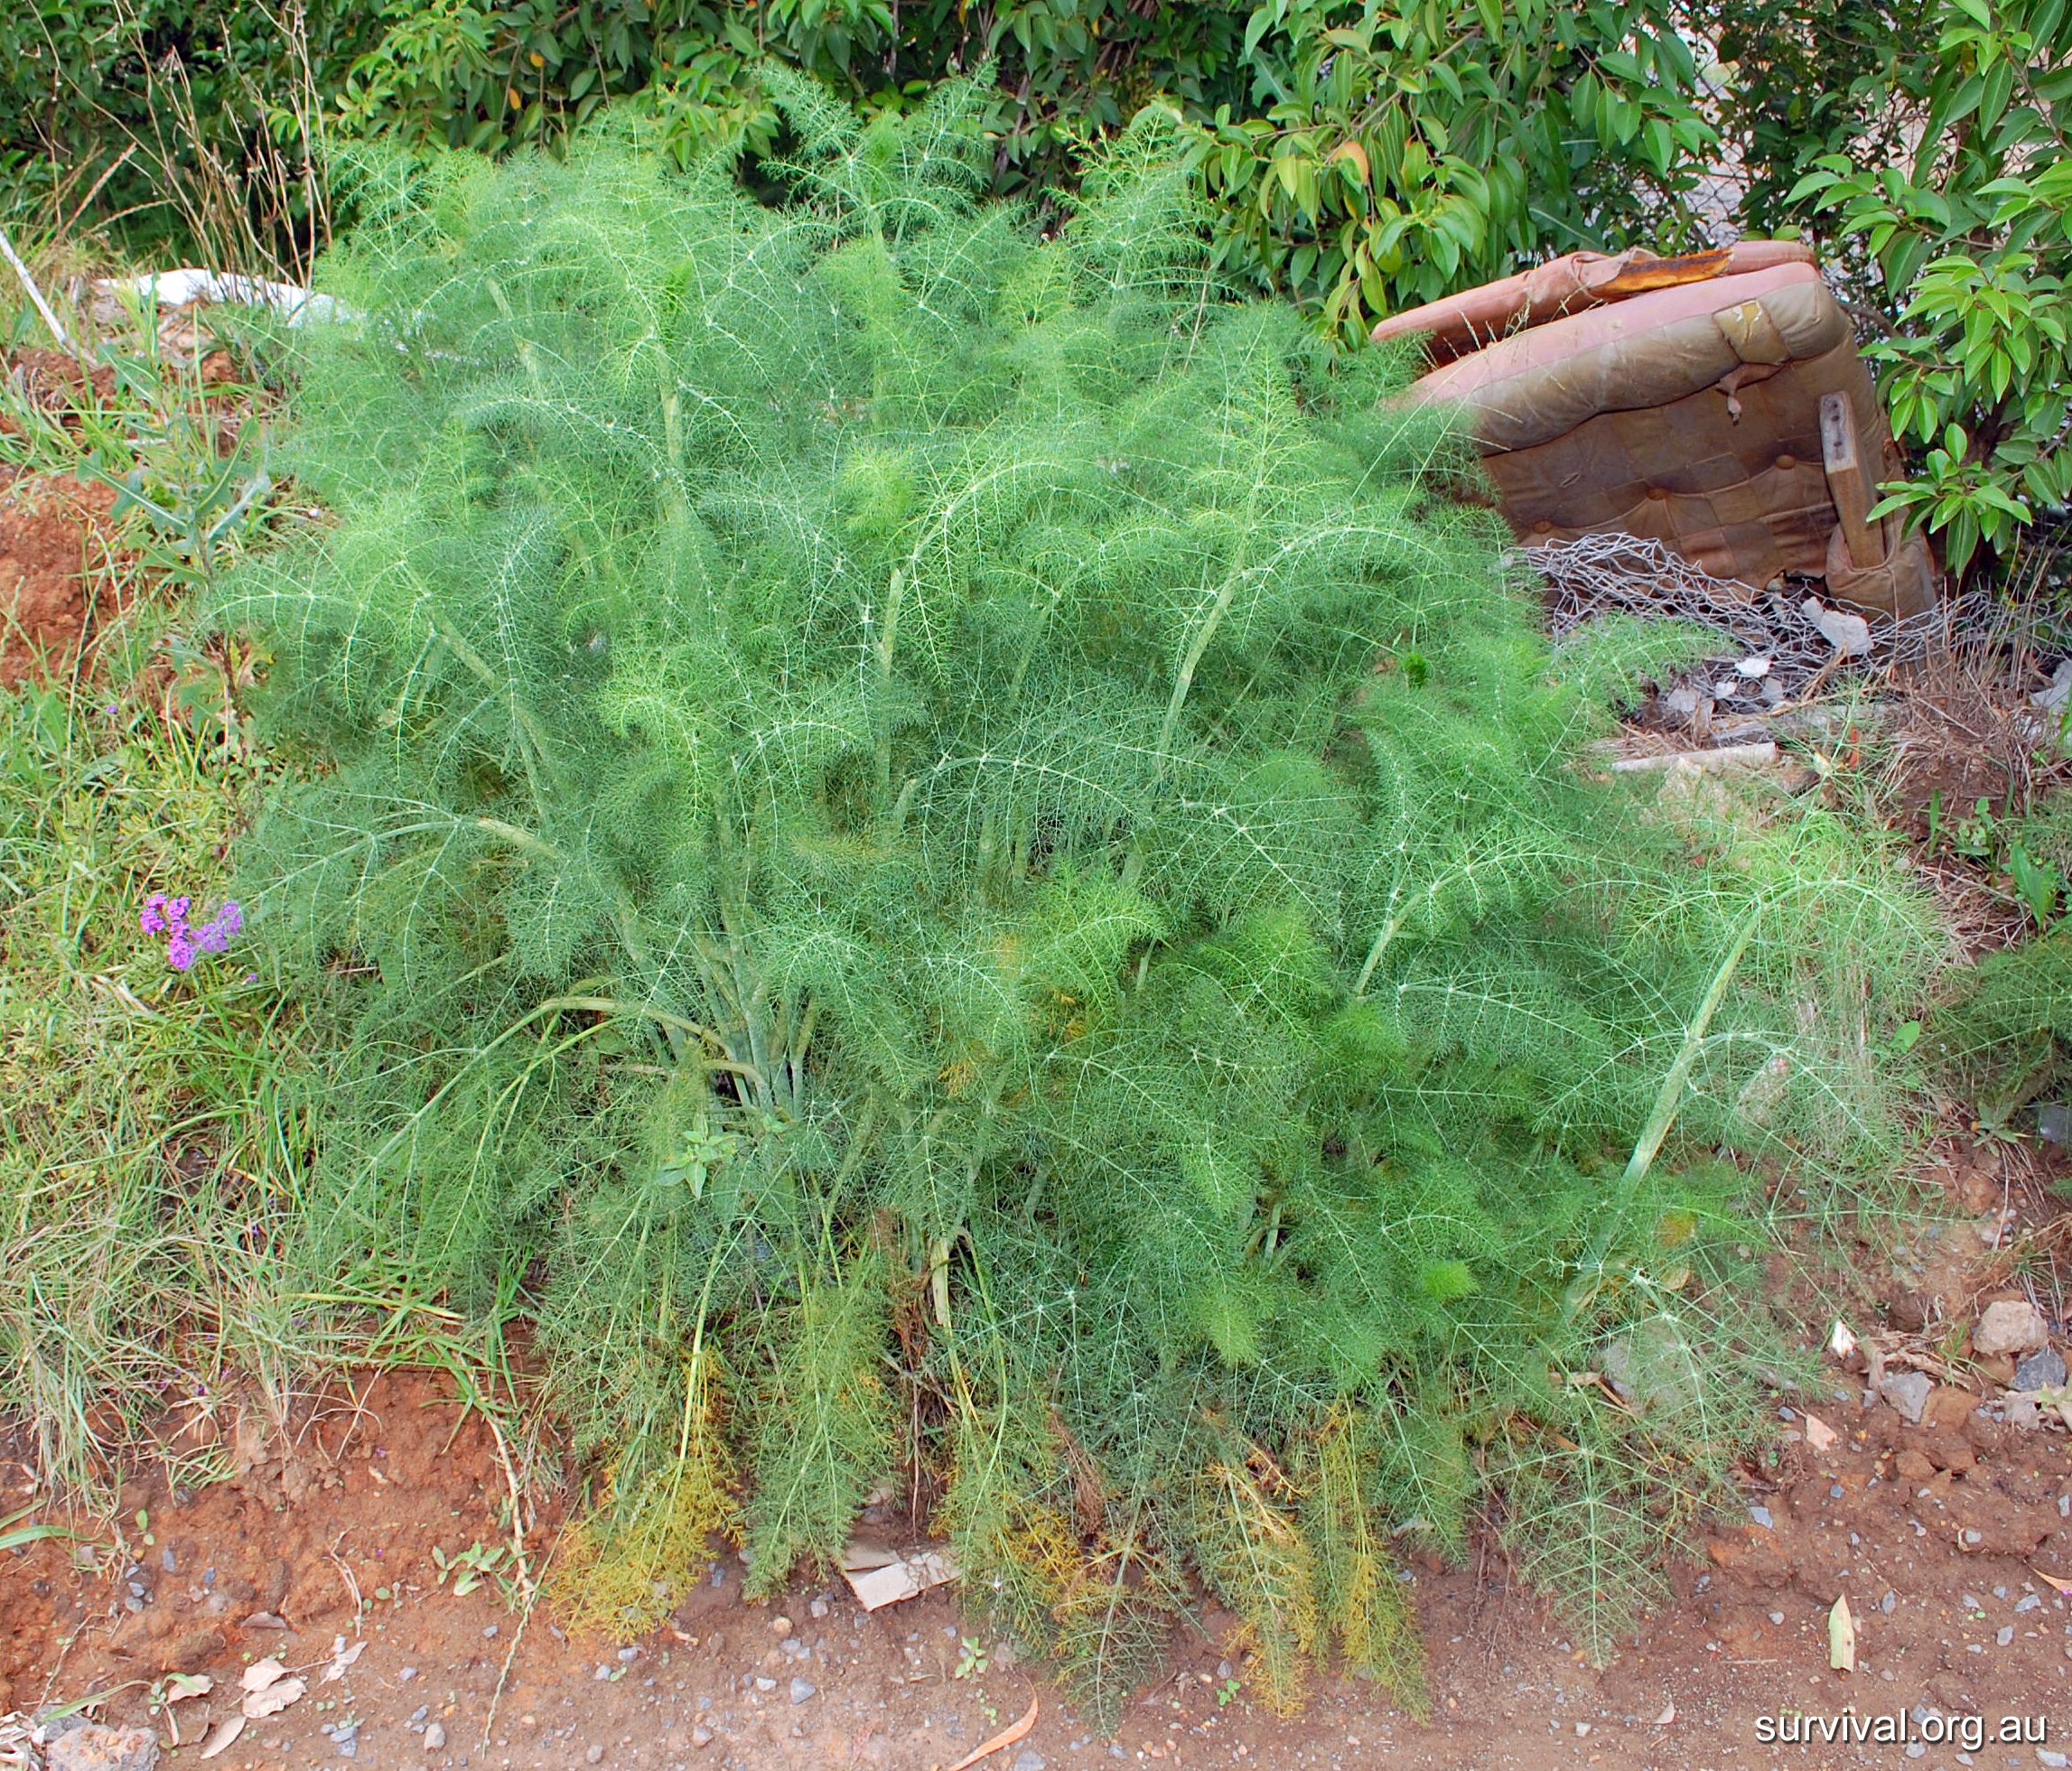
(1690, 412)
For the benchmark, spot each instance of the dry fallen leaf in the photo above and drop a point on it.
(1842, 1637)
(276, 1698)
(226, 1732)
(182, 1686)
(1007, 1736)
(341, 1658)
(2062, 1586)
(262, 1673)
(1819, 1435)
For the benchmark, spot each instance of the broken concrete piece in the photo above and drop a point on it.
(1728, 756)
(880, 1577)
(2010, 1327)
(1850, 635)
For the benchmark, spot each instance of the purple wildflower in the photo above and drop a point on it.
(183, 942)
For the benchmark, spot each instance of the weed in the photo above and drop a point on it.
(942, 830)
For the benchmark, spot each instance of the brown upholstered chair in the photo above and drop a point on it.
(1714, 403)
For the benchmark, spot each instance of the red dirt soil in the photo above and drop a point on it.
(52, 530)
(316, 1531)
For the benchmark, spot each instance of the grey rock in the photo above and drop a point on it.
(2054, 1121)
(434, 1737)
(489, 1632)
(818, 1608)
(2004, 1634)
(1889, 1603)
(1906, 1391)
(2040, 1370)
(795, 1648)
(700, 1736)
(96, 1748)
(801, 1690)
(594, 1755)
(1027, 1760)
(1760, 1515)
(2028, 1602)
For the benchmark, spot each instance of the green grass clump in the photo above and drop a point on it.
(946, 827)
(151, 1124)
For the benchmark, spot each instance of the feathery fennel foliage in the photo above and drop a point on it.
(941, 836)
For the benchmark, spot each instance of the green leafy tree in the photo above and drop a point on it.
(1393, 155)
(944, 829)
(1942, 158)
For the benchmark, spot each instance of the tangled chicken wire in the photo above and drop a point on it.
(1778, 644)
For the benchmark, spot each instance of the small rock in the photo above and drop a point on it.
(1849, 634)
(2055, 1761)
(96, 1748)
(602, 1672)
(1223, 1670)
(489, 1632)
(1752, 668)
(264, 1620)
(2054, 1123)
(2042, 1370)
(1906, 1391)
(435, 1736)
(801, 1690)
(794, 1648)
(407, 1673)
(2010, 1327)
(1889, 1603)
(594, 1754)
(1028, 1760)
(1581, 1729)
(1760, 1515)
(2004, 1634)
(763, 1684)
(818, 1608)
(780, 1625)
(1776, 1616)
(2028, 1602)
(700, 1736)
(629, 1654)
